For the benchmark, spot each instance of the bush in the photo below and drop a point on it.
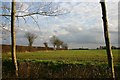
(57, 69)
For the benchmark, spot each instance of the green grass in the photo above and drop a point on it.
(65, 64)
(66, 55)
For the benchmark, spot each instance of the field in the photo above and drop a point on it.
(62, 64)
(65, 55)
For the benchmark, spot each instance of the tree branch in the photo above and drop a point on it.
(37, 13)
(35, 21)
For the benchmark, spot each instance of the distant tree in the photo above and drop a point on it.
(30, 37)
(56, 42)
(65, 46)
(114, 47)
(53, 41)
(46, 45)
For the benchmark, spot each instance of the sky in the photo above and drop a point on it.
(81, 26)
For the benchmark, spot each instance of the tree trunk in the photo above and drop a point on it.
(107, 39)
(30, 46)
(13, 37)
(54, 47)
(46, 46)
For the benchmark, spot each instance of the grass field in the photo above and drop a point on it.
(61, 64)
(65, 55)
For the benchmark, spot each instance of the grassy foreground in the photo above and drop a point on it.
(61, 64)
(66, 55)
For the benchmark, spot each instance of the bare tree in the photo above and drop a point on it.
(4, 29)
(46, 45)
(53, 41)
(14, 10)
(59, 43)
(56, 42)
(30, 37)
(65, 46)
(107, 39)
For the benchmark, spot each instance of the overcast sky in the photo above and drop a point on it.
(81, 27)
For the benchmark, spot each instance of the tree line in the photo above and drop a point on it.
(54, 40)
